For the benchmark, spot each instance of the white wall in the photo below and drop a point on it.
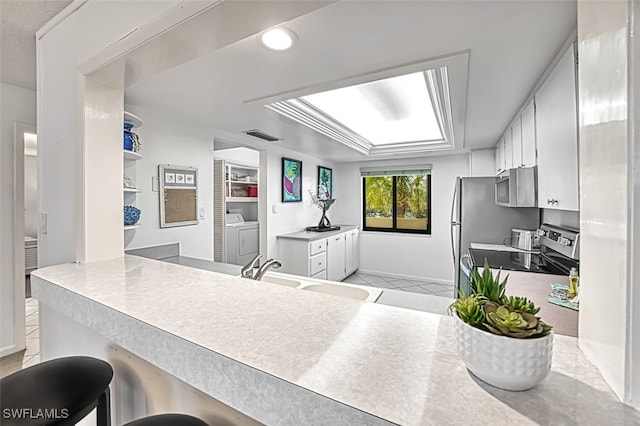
(561, 218)
(31, 196)
(166, 142)
(16, 104)
(482, 162)
(606, 330)
(288, 217)
(425, 257)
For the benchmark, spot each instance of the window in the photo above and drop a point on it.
(397, 200)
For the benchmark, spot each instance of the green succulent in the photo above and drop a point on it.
(486, 285)
(519, 303)
(506, 321)
(469, 309)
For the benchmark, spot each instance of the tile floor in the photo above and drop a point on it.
(32, 354)
(395, 283)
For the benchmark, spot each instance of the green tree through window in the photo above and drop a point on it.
(397, 203)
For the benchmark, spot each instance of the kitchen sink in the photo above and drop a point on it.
(350, 291)
(281, 281)
(344, 290)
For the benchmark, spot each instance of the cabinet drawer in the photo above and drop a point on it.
(316, 247)
(322, 275)
(317, 263)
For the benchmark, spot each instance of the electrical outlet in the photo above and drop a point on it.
(273, 209)
(43, 222)
(154, 184)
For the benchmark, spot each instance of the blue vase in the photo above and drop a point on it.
(128, 138)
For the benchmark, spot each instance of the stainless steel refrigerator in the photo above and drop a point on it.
(476, 218)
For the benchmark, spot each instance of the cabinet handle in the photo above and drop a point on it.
(338, 239)
(552, 201)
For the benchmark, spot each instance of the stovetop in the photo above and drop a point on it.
(545, 263)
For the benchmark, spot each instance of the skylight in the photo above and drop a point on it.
(412, 109)
(389, 111)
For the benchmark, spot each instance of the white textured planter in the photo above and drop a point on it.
(503, 362)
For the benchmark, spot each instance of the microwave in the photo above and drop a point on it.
(517, 187)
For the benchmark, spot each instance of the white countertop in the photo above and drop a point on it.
(311, 236)
(354, 362)
(497, 247)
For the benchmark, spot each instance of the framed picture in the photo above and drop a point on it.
(128, 183)
(179, 177)
(325, 183)
(291, 180)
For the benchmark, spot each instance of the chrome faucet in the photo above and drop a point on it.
(254, 271)
(271, 263)
(247, 270)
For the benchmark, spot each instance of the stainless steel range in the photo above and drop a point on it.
(559, 252)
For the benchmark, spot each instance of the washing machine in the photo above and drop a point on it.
(243, 240)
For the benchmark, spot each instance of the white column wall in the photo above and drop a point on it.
(425, 257)
(88, 30)
(16, 104)
(606, 175)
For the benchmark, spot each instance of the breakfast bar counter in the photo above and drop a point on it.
(284, 356)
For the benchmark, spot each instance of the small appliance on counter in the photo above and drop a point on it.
(524, 239)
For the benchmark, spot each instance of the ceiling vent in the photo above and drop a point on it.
(261, 135)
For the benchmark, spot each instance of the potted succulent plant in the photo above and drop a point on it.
(499, 337)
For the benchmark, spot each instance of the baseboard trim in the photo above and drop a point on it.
(406, 277)
(10, 350)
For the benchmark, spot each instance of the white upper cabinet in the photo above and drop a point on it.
(508, 150)
(516, 142)
(528, 135)
(557, 137)
(501, 164)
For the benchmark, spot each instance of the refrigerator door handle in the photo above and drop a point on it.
(454, 223)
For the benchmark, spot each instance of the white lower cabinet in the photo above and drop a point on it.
(352, 248)
(336, 257)
(332, 258)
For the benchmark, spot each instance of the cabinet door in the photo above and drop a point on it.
(508, 150)
(348, 249)
(557, 140)
(352, 251)
(501, 163)
(336, 257)
(355, 247)
(529, 135)
(516, 141)
(497, 159)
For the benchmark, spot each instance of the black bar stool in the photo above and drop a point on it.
(168, 420)
(61, 391)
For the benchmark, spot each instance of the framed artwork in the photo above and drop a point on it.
(291, 180)
(325, 183)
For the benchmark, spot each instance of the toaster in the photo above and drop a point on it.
(524, 239)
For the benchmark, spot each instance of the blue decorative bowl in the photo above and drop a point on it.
(128, 137)
(131, 215)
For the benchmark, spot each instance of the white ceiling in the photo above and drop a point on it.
(510, 44)
(19, 21)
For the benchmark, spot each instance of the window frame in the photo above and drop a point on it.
(394, 229)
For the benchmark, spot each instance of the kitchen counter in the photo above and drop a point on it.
(312, 236)
(499, 247)
(283, 356)
(536, 287)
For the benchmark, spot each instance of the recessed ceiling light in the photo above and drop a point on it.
(279, 39)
